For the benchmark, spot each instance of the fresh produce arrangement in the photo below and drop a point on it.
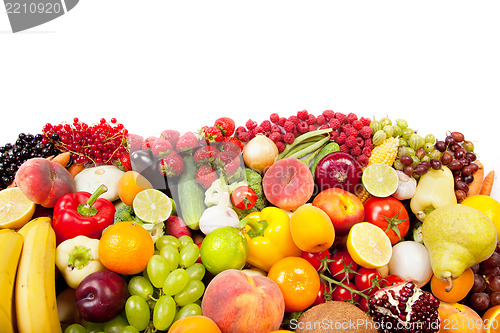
(305, 223)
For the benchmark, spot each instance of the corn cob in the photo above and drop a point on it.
(362, 193)
(385, 153)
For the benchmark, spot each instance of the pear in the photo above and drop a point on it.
(457, 237)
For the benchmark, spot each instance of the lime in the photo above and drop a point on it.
(224, 248)
(152, 205)
(380, 180)
(15, 209)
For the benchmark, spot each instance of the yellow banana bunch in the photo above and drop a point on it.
(35, 294)
(10, 246)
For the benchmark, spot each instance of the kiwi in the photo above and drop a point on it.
(334, 316)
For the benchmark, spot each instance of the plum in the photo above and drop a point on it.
(101, 296)
(43, 181)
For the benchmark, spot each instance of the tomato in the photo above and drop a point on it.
(343, 294)
(368, 280)
(391, 279)
(342, 265)
(315, 258)
(390, 215)
(244, 197)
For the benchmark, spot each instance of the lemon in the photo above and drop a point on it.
(368, 245)
(224, 248)
(486, 205)
(380, 180)
(15, 209)
(152, 205)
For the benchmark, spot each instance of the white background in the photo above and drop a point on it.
(182, 64)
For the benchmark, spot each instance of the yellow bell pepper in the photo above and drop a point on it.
(269, 238)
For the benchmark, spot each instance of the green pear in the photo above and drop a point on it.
(457, 237)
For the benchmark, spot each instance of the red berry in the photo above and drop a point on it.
(311, 119)
(366, 132)
(250, 124)
(171, 165)
(206, 176)
(365, 121)
(171, 136)
(244, 136)
(275, 137)
(357, 124)
(289, 126)
(205, 155)
(351, 117)
(161, 147)
(266, 125)
(302, 127)
(302, 115)
(213, 134)
(362, 160)
(341, 138)
(320, 120)
(355, 151)
(275, 128)
(187, 142)
(226, 125)
(274, 117)
(344, 148)
(232, 143)
(282, 121)
(281, 146)
(294, 119)
(335, 124)
(148, 142)
(341, 117)
(367, 151)
(328, 114)
(288, 138)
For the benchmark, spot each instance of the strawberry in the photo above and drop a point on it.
(170, 135)
(212, 134)
(161, 147)
(206, 176)
(187, 142)
(171, 165)
(124, 162)
(146, 144)
(226, 125)
(134, 142)
(228, 161)
(205, 155)
(232, 143)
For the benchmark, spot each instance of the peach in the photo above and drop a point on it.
(344, 208)
(288, 184)
(456, 317)
(237, 302)
(43, 181)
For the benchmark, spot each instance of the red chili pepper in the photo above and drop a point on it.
(82, 213)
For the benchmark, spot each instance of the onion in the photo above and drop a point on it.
(260, 153)
(410, 260)
(338, 169)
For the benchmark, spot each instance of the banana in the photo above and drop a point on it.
(35, 292)
(24, 229)
(11, 244)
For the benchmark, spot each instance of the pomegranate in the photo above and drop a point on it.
(404, 307)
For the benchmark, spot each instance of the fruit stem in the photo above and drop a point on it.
(450, 283)
(338, 283)
(79, 257)
(87, 209)
(257, 228)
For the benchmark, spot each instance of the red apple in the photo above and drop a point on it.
(456, 317)
(43, 181)
(237, 302)
(288, 184)
(344, 208)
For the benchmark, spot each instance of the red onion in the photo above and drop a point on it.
(338, 169)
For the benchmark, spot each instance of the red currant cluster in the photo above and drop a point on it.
(101, 143)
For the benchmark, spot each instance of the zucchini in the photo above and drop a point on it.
(191, 195)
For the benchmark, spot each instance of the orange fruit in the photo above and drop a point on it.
(194, 324)
(125, 248)
(298, 281)
(131, 183)
(461, 287)
(491, 319)
(311, 228)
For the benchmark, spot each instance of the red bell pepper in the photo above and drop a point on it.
(82, 213)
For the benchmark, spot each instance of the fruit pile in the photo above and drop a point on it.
(305, 223)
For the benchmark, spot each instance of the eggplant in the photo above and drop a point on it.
(146, 164)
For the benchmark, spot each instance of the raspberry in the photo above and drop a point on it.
(258, 130)
(362, 160)
(252, 135)
(266, 125)
(244, 136)
(274, 117)
(334, 135)
(281, 146)
(302, 127)
(341, 138)
(341, 117)
(294, 119)
(302, 115)
(350, 132)
(328, 114)
(351, 117)
(355, 151)
(312, 128)
(250, 124)
(365, 121)
(344, 149)
(289, 127)
(366, 132)
(311, 119)
(360, 142)
(275, 137)
(350, 142)
(275, 128)
(322, 127)
(357, 124)
(335, 124)
(240, 129)
(367, 151)
(288, 138)
(320, 120)
(368, 142)
(282, 121)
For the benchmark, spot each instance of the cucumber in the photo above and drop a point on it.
(191, 195)
(330, 147)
